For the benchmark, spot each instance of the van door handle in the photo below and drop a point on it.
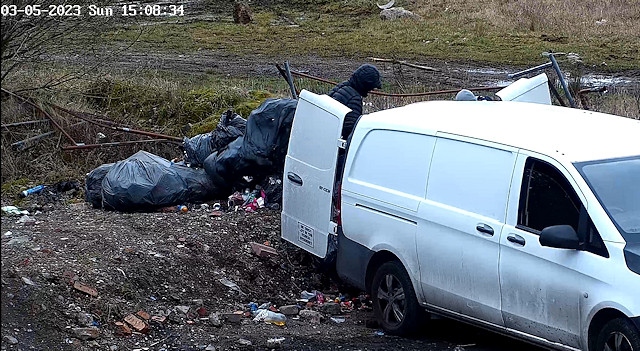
(484, 228)
(294, 178)
(516, 239)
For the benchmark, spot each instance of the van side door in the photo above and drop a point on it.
(547, 291)
(309, 172)
(460, 224)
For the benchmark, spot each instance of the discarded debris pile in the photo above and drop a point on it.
(235, 155)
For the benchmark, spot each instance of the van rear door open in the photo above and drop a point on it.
(309, 172)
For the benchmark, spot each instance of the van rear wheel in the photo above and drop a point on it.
(394, 301)
(618, 335)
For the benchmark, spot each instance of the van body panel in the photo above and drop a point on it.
(570, 284)
(459, 228)
(377, 225)
(390, 166)
(309, 172)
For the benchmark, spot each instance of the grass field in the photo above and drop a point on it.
(604, 33)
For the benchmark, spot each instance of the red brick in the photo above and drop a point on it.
(136, 323)
(85, 288)
(159, 319)
(263, 250)
(144, 315)
(122, 329)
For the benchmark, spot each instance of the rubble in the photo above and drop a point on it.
(88, 333)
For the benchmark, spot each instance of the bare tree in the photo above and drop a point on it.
(37, 31)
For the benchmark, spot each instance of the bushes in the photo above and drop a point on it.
(180, 111)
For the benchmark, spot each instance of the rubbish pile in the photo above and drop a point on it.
(237, 155)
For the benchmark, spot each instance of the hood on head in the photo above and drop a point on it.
(365, 78)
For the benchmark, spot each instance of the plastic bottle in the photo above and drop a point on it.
(182, 208)
(34, 190)
(270, 317)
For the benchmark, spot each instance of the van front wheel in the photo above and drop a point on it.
(618, 335)
(394, 301)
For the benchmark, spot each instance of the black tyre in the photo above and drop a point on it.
(394, 301)
(618, 335)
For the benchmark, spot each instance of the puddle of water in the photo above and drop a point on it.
(599, 80)
(588, 80)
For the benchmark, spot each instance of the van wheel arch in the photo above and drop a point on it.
(377, 260)
(599, 321)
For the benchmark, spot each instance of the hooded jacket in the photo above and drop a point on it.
(350, 93)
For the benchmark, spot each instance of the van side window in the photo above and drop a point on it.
(546, 198)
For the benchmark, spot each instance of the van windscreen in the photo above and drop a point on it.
(616, 184)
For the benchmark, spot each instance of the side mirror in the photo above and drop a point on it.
(560, 237)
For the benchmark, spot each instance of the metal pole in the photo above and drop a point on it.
(294, 93)
(112, 125)
(30, 142)
(25, 123)
(64, 132)
(93, 146)
(563, 82)
(530, 70)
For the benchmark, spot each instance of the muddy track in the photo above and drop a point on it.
(446, 75)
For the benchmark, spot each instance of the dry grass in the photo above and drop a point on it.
(614, 19)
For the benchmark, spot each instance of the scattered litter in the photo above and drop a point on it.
(270, 317)
(378, 333)
(214, 319)
(85, 288)
(273, 342)
(338, 319)
(26, 220)
(307, 296)
(34, 190)
(12, 210)
(244, 342)
(7, 233)
(121, 271)
(28, 281)
(84, 334)
(18, 240)
(183, 309)
(228, 283)
(11, 340)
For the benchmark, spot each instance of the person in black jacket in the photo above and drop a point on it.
(350, 93)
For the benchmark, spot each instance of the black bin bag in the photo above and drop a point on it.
(146, 182)
(93, 185)
(266, 139)
(199, 147)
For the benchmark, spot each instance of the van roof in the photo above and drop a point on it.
(579, 135)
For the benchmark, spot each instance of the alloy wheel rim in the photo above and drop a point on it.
(617, 342)
(391, 300)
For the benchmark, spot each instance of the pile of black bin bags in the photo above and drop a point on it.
(214, 164)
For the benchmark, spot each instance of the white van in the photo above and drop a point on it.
(521, 218)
